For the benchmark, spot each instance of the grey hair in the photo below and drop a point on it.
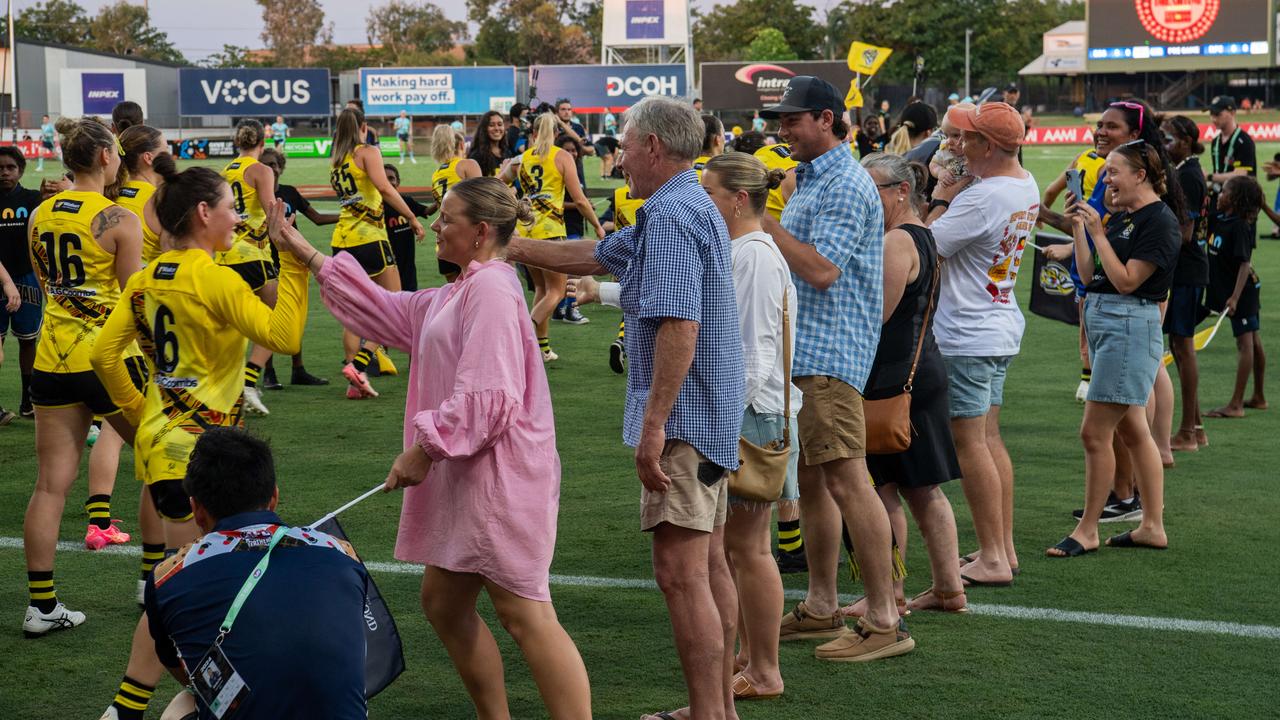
(897, 169)
(674, 122)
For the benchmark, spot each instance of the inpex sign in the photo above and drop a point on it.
(639, 86)
(253, 91)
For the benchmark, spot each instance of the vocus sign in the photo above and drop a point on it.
(253, 91)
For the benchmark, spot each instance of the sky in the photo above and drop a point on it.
(199, 28)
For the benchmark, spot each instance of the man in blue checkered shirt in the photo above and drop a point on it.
(832, 235)
(686, 384)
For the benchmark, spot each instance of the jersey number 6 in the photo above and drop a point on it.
(166, 341)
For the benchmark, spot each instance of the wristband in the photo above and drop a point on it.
(944, 204)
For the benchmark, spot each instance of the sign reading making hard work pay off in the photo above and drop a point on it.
(437, 91)
(253, 91)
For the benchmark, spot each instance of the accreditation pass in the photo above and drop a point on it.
(217, 683)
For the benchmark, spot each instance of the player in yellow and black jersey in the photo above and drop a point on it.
(448, 148)
(778, 157)
(143, 146)
(252, 190)
(360, 181)
(193, 319)
(546, 174)
(712, 142)
(83, 248)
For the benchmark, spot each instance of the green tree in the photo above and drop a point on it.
(292, 29)
(726, 31)
(231, 56)
(527, 32)
(126, 29)
(770, 44)
(589, 14)
(405, 28)
(58, 21)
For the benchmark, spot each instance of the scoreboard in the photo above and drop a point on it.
(1138, 35)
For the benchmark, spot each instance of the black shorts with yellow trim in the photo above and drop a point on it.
(374, 257)
(255, 273)
(171, 500)
(53, 390)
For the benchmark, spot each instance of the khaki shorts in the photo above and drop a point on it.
(689, 502)
(832, 426)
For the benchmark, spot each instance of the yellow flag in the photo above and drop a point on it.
(854, 98)
(867, 59)
(1202, 338)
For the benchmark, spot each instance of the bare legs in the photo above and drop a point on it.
(449, 601)
(1251, 360)
(548, 291)
(1184, 357)
(759, 591)
(984, 490)
(820, 527)
(1160, 410)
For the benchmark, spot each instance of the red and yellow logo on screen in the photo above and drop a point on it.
(1177, 21)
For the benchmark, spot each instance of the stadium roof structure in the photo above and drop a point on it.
(1064, 51)
(4, 42)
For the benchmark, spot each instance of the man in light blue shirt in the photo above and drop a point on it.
(403, 128)
(832, 235)
(279, 132)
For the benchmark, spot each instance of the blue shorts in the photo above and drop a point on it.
(975, 384)
(27, 319)
(1183, 313)
(1239, 325)
(1125, 347)
(763, 429)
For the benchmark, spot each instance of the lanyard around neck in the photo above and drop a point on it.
(250, 583)
(1231, 151)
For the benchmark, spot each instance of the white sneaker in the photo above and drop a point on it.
(110, 713)
(413, 160)
(1082, 391)
(253, 401)
(142, 592)
(38, 624)
(549, 355)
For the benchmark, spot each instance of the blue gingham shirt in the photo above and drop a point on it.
(836, 209)
(675, 263)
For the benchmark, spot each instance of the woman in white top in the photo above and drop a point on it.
(739, 185)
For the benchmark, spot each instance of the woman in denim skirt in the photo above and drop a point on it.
(1132, 274)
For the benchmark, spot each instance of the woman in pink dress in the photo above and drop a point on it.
(480, 470)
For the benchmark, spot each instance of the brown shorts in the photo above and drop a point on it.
(698, 497)
(832, 426)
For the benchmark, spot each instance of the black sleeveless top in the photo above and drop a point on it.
(898, 336)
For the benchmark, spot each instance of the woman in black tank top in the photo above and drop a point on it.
(911, 293)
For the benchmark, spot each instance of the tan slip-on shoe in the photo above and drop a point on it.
(800, 624)
(866, 642)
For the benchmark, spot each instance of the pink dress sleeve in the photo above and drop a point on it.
(489, 390)
(365, 308)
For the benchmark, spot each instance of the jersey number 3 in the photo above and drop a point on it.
(166, 340)
(237, 197)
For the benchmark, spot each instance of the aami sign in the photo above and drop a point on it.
(596, 88)
(253, 91)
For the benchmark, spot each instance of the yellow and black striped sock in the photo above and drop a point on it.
(622, 330)
(362, 359)
(251, 373)
(152, 553)
(40, 590)
(789, 539)
(1086, 374)
(544, 344)
(98, 508)
(132, 699)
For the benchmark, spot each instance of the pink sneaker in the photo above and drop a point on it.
(359, 382)
(95, 538)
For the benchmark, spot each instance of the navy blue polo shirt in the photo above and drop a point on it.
(298, 642)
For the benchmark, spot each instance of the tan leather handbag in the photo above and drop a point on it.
(888, 421)
(762, 471)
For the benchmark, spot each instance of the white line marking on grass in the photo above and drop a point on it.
(1140, 622)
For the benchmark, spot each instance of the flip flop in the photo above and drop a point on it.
(1125, 540)
(1071, 547)
(1220, 414)
(661, 715)
(970, 582)
(744, 690)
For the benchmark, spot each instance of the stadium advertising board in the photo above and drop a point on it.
(96, 92)
(253, 91)
(437, 91)
(1136, 35)
(641, 23)
(596, 88)
(1083, 134)
(746, 86)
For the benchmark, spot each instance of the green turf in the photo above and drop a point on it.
(1220, 513)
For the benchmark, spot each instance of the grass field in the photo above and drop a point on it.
(1027, 652)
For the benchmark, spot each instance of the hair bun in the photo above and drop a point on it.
(524, 211)
(775, 178)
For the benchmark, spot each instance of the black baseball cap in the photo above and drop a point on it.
(1221, 103)
(806, 93)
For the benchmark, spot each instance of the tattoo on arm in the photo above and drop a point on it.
(106, 220)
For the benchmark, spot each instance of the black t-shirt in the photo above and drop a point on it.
(1193, 267)
(398, 228)
(1151, 234)
(1231, 246)
(16, 207)
(1229, 154)
(294, 203)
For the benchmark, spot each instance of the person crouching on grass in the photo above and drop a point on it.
(1137, 251)
(1233, 288)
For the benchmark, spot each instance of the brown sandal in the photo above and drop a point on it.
(946, 600)
(900, 601)
(744, 690)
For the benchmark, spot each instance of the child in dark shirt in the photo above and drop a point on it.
(1233, 287)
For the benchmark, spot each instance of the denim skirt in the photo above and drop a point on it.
(1125, 347)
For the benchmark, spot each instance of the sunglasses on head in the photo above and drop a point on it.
(1131, 106)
